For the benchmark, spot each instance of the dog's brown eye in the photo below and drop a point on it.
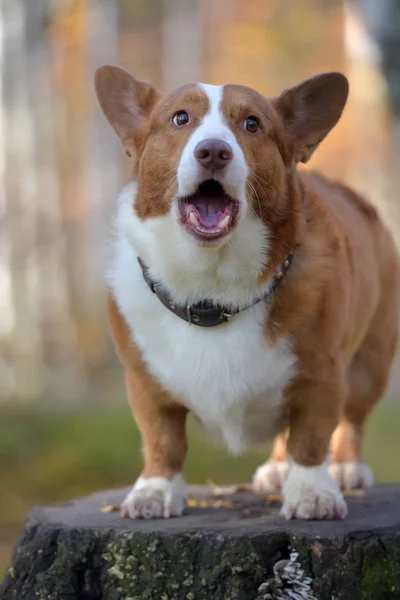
(181, 118)
(251, 124)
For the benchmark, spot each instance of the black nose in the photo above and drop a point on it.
(213, 154)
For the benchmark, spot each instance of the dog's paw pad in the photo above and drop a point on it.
(271, 476)
(155, 497)
(351, 475)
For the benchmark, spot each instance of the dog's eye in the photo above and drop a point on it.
(181, 118)
(251, 124)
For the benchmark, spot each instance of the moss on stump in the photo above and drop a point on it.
(75, 552)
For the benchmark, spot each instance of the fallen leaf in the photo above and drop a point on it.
(233, 489)
(210, 502)
(109, 508)
(354, 493)
(272, 498)
(222, 504)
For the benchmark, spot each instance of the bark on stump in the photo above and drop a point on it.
(75, 552)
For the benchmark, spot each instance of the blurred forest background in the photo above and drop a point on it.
(65, 429)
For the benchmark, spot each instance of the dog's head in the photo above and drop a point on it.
(206, 156)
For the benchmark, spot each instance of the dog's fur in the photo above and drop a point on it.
(308, 364)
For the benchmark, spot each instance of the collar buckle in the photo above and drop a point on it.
(191, 317)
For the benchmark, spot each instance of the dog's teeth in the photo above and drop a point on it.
(193, 219)
(224, 221)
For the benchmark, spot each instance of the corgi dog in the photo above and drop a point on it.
(260, 298)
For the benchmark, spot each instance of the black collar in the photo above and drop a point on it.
(206, 313)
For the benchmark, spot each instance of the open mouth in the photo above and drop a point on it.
(209, 213)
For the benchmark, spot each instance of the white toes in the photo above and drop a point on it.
(311, 493)
(154, 498)
(271, 476)
(352, 475)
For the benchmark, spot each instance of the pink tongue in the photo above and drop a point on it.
(210, 211)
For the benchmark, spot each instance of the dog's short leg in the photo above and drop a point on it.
(346, 464)
(309, 491)
(160, 491)
(270, 476)
(367, 376)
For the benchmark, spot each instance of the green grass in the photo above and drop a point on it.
(47, 458)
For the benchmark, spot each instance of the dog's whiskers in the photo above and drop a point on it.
(254, 192)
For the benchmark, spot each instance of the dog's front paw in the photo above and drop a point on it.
(271, 476)
(352, 475)
(154, 498)
(311, 493)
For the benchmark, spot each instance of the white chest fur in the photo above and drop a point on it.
(230, 376)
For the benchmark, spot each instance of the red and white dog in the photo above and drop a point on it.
(262, 299)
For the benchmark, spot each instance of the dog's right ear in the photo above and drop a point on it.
(126, 102)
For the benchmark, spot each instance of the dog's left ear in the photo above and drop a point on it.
(310, 110)
(126, 102)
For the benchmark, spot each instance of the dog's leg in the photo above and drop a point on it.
(367, 378)
(160, 490)
(309, 491)
(270, 476)
(346, 464)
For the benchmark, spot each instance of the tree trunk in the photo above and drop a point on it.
(383, 21)
(21, 187)
(182, 43)
(224, 548)
(373, 52)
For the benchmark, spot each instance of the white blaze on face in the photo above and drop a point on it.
(213, 125)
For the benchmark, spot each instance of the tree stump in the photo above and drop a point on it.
(225, 547)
